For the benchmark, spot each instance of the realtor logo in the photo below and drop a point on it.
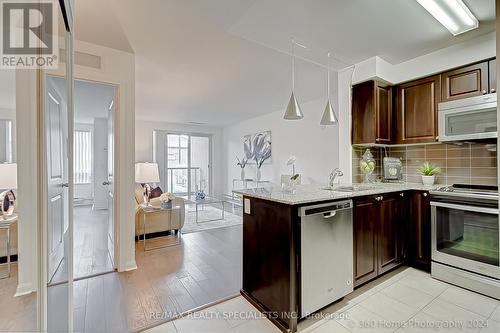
(29, 34)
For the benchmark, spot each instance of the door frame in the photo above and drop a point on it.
(116, 111)
(42, 194)
(210, 157)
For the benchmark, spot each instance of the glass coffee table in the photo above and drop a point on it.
(207, 201)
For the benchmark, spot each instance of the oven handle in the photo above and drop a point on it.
(476, 209)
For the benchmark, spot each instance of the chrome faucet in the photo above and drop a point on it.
(335, 173)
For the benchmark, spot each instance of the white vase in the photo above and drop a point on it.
(258, 174)
(242, 174)
(428, 180)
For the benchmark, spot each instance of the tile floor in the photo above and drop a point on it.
(404, 301)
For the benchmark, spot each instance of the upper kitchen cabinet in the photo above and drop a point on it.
(492, 67)
(465, 82)
(416, 110)
(372, 113)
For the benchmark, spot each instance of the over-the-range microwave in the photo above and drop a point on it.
(472, 118)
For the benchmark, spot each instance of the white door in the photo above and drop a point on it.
(110, 184)
(57, 186)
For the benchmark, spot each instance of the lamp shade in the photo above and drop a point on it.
(8, 176)
(329, 116)
(146, 173)
(293, 111)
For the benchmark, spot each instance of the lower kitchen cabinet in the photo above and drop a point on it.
(377, 226)
(365, 220)
(420, 231)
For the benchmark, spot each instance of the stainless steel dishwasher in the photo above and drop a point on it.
(326, 254)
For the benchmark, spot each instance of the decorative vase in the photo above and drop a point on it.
(167, 204)
(258, 174)
(428, 180)
(242, 174)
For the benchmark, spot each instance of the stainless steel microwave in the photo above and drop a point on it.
(470, 118)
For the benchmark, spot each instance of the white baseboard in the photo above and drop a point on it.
(24, 289)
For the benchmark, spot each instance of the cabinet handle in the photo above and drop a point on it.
(377, 140)
(493, 91)
(437, 138)
(425, 194)
(401, 195)
(485, 92)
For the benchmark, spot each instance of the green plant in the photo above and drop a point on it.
(428, 169)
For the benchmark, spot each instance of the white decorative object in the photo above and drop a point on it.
(428, 180)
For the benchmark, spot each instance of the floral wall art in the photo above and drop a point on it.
(257, 148)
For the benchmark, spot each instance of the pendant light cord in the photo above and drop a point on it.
(328, 77)
(293, 65)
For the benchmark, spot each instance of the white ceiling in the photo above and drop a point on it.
(91, 100)
(222, 61)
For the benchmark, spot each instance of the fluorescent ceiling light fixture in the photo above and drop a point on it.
(453, 14)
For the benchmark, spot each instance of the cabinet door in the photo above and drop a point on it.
(365, 220)
(383, 100)
(420, 231)
(492, 67)
(417, 110)
(465, 82)
(363, 113)
(388, 233)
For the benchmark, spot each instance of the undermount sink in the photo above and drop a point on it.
(352, 188)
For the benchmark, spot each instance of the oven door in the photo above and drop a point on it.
(466, 237)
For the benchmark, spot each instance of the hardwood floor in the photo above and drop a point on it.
(17, 314)
(90, 253)
(205, 268)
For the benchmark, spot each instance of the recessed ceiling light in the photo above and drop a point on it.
(453, 14)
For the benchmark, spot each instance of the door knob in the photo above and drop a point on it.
(64, 185)
(106, 183)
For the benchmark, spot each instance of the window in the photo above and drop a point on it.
(82, 157)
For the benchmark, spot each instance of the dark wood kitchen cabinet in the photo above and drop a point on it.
(420, 230)
(372, 113)
(416, 110)
(492, 69)
(465, 82)
(377, 223)
(365, 219)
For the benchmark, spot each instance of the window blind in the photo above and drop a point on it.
(82, 157)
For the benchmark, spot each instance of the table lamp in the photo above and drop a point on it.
(146, 173)
(8, 182)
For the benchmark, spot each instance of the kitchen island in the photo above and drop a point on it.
(389, 226)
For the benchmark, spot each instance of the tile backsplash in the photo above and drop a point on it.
(467, 163)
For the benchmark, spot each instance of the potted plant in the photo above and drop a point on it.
(429, 173)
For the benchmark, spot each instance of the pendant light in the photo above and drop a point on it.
(329, 116)
(293, 111)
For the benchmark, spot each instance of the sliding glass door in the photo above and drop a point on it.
(184, 160)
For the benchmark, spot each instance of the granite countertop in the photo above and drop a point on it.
(315, 192)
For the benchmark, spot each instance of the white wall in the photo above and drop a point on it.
(315, 146)
(144, 145)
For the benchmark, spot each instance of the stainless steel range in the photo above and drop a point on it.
(465, 237)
